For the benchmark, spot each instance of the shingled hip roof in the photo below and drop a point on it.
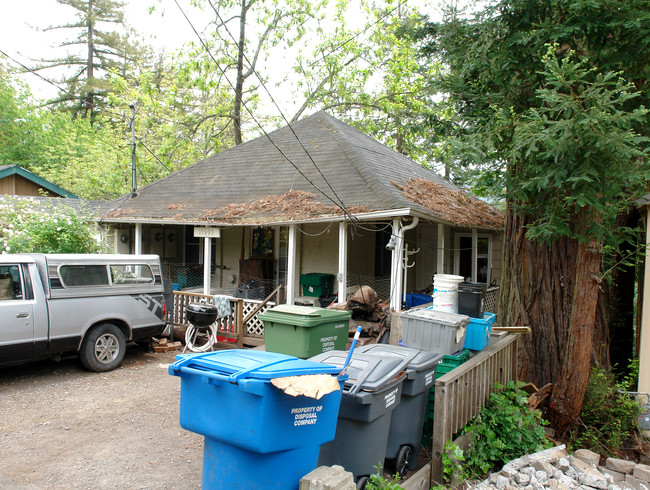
(316, 168)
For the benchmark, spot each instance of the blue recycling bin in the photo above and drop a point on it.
(256, 435)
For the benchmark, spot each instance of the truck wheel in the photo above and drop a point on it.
(103, 348)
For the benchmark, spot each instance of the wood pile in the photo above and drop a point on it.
(369, 312)
(164, 345)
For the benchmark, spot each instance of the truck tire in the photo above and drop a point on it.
(103, 348)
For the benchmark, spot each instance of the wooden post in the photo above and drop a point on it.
(439, 428)
(239, 322)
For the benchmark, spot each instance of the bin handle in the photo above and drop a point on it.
(235, 376)
(199, 372)
(182, 366)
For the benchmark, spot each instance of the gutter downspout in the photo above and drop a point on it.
(397, 270)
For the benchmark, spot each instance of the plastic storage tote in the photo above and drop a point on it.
(304, 331)
(317, 284)
(277, 437)
(408, 418)
(371, 393)
(471, 299)
(434, 331)
(478, 332)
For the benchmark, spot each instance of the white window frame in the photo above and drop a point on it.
(475, 255)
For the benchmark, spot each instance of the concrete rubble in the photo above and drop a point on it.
(555, 469)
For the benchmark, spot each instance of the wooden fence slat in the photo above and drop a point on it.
(462, 392)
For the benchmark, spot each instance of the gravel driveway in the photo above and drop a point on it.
(64, 427)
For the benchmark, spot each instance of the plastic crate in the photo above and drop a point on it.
(455, 359)
(478, 332)
(433, 331)
(317, 284)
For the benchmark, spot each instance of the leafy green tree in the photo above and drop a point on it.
(103, 44)
(17, 136)
(245, 34)
(370, 76)
(183, 113)
(569, 141)
(30, 226)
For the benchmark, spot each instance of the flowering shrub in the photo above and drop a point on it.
(30, 226)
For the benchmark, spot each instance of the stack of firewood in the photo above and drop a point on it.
(369, 312)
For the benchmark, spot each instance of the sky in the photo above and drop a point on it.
(21, 38)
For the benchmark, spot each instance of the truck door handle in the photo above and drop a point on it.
(22, 315)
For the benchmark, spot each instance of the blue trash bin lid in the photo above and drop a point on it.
(419, 360)
(366, 372)
(233, 365)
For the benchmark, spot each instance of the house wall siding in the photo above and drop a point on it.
(19, 186)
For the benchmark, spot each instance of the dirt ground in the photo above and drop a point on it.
(64, 427)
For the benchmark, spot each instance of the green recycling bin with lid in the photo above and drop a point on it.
(304, 331)
(370, 395)
(257, 435)
(408, 417)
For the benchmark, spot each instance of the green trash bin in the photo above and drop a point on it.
(304, 331)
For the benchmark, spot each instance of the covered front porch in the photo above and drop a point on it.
(396, 254)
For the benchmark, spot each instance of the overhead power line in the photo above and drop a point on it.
(259, 125)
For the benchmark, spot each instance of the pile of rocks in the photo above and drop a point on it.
(555, 469)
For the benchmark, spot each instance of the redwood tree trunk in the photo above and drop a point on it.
(542, 285)
(569, 392)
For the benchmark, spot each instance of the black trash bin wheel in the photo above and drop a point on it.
(402, 460)
(362, 482)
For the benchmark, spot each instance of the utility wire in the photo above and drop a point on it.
(253, 116)
(342, 205)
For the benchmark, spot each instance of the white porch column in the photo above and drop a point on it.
(644, 349)
(440, 261)
(474, 252)
(291, 264)
(342, 276)
(207, 264)
(138, 239)
(396, 267)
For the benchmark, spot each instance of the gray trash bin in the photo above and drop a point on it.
(370, 395)
(408, 417)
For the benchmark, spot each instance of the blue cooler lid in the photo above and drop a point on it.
(233, 365)
(419, 360)
(366, 372)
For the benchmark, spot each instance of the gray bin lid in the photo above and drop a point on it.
(366, 372)
(419, 360)
(435, 316)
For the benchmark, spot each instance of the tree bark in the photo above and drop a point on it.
(550, 288)
(569, 392)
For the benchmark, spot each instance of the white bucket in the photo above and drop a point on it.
(445, 292)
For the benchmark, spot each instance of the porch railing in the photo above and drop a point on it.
(230, 328)
(461, 393)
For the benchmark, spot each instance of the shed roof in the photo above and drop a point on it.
(309, 170)
(8, 170)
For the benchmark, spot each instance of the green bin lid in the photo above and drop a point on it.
(303, 316)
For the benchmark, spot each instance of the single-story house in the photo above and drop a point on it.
(316, 200)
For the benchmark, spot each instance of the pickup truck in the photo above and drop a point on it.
(53, 305)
